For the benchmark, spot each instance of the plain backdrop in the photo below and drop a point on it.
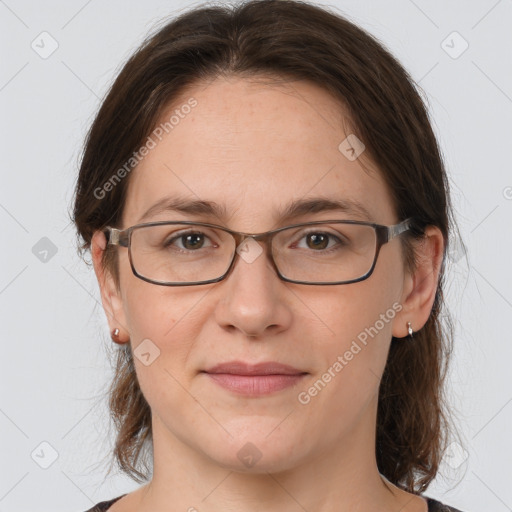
(55, 344)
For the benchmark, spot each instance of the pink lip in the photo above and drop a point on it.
(266, 368)
(258, 379)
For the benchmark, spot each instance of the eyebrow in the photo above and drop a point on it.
(296, 208)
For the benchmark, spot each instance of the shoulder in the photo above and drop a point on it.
(103, 506)
(437, 506)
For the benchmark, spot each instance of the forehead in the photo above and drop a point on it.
(252, 149)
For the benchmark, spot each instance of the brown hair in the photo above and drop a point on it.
(288, 40)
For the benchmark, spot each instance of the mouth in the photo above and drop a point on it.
(254, 379)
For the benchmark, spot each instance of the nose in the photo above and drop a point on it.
(254, 298)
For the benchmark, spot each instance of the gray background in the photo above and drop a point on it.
(55, 343)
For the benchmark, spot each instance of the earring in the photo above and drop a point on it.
(409, 328)
(115, 337)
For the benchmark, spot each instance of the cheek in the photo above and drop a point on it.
(164, 325)
(161, 313)
(362, 311)
(358, 320)
(348, 380)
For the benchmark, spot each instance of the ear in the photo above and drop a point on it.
(420, 287)
(110, 295)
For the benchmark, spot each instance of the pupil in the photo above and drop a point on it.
(318, 238)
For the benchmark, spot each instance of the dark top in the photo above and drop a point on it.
(433, 505)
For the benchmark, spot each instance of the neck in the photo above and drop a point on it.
(342, 476)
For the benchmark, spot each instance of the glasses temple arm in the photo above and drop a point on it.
(399, 228)
(112, 235)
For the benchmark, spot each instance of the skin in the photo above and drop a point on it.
(252, 148)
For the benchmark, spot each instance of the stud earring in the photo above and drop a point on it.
(115, 337)
(409, 329)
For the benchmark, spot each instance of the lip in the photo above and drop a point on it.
(254, 379)
(265, 368)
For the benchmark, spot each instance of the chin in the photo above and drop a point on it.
(254, 451)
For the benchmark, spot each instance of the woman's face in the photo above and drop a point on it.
(252, 150)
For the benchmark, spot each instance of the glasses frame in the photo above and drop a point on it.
(384, 234)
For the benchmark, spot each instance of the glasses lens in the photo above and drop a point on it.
(329, 252)
(173, 253)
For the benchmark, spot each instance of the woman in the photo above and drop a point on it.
(300, 369)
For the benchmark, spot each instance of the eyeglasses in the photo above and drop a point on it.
(193, 253)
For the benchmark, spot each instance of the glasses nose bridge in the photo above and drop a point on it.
(241, 236)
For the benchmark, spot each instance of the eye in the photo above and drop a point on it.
(320, 240)
(190, 240)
